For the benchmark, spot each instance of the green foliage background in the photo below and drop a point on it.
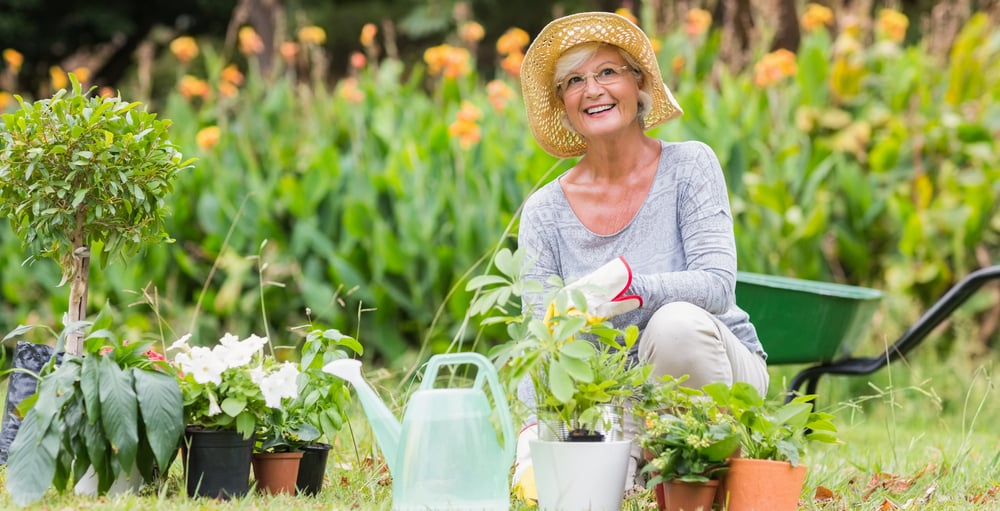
(876, 166)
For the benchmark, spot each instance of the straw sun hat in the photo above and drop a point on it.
(545, 109)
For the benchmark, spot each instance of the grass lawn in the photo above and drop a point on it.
(908, 443)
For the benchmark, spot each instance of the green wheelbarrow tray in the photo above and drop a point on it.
(820, 323)
(806, 321)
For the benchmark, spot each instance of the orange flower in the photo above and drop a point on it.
(697, 22)
(358, 60)
(816, 16)
(465, 127)
(228, 90)
(471, 32)
(447, 60)
(512, 64)
(82, 74)
(58, 76)
(107, 92)
(368, 33)
(13, 58)
(250, 42)
(677, 64)
(626, 12)
(774, 67)
(289, 51)
(312, 35)
(192, 87)
(498, 93)
(656, 43)
(349, 90)
(892, 25)
(185, 48)
(207, 137)
(514, 40)
(232, 74)
(5, 100)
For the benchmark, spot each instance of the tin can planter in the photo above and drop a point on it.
(216, 463)
(312, 468)
(763, 485)
(276, 472)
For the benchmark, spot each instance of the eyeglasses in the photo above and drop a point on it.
(575, 83)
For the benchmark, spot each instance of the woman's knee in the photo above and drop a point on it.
(676, 323)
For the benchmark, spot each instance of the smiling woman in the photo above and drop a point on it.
(648, 222)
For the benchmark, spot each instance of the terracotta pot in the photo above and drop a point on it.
(763, 485)
(684, 496)
(276, 472)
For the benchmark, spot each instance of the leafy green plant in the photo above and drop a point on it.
(78, 170)
(323, 398)
(576, 363)
(686, 435)
(771, 430)
(116, 408)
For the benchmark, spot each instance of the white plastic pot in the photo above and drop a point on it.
(575, 476)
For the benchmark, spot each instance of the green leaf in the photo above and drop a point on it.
(578, 349)
(31, 465)
(119, 411)
(91, 387)
(161, 405)
(560, 383)
(577, 369)
(233, 406)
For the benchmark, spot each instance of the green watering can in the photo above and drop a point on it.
(446, 454)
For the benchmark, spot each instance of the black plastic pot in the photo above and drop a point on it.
(216, 463)
(312, 468)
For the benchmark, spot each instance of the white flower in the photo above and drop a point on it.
(213, 405)
(203, 365)
(280, 384)
(257, 375)
(229, 339)
(181, 344)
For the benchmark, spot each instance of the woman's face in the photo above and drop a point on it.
(601, 109)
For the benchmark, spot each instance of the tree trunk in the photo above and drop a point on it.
(788, 35)
(78, 288)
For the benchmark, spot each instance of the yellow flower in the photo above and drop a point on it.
(207, 137)
(656, 43)
(312, 35)
(677, 64)
(82, 74)
(349, 90)
(498, 93)
(58, 76)
(368, 33)
(232, 74)
(514, 40)
(774, 67)
(250, 42)
(5, 100)
(185, 48)
(512, 64)
(816, 16)
(892, 25)
(697, 22)
(471, 32)
(191, 87)
(13, 58)
(626, 12)
(448, 61)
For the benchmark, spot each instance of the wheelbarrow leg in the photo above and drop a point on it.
(938, 312)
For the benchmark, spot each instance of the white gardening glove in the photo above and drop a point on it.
(523, 482)
(604, 289)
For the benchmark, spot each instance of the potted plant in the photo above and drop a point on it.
(115, 413)
(224, 404)
(686, 439)
(282, 430)
(768, 474)
(579, 368)
(323, 401)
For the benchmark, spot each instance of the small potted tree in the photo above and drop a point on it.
(78, 171)
(579, 369)
(769, 474)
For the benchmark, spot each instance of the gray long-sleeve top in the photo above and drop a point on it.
(680, 244)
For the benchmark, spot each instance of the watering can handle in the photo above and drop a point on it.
(485, 370)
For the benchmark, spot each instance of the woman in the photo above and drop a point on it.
(650, 220)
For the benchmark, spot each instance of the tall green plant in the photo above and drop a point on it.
(79, 170)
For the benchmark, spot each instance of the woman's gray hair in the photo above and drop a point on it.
(577, 55)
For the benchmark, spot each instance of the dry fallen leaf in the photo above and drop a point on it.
(823, 494)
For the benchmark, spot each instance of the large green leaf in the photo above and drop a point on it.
(31, 465)
(91, 387)
(120, 412)
(162, 409)
(560, 383)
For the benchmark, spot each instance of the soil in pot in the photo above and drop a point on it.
(312, 468)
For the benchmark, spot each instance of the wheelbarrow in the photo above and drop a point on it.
(821, 323)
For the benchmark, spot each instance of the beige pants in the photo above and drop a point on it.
(682, 338)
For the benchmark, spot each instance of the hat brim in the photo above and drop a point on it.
(545, 108)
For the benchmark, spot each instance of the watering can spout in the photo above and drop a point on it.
(385, 425)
